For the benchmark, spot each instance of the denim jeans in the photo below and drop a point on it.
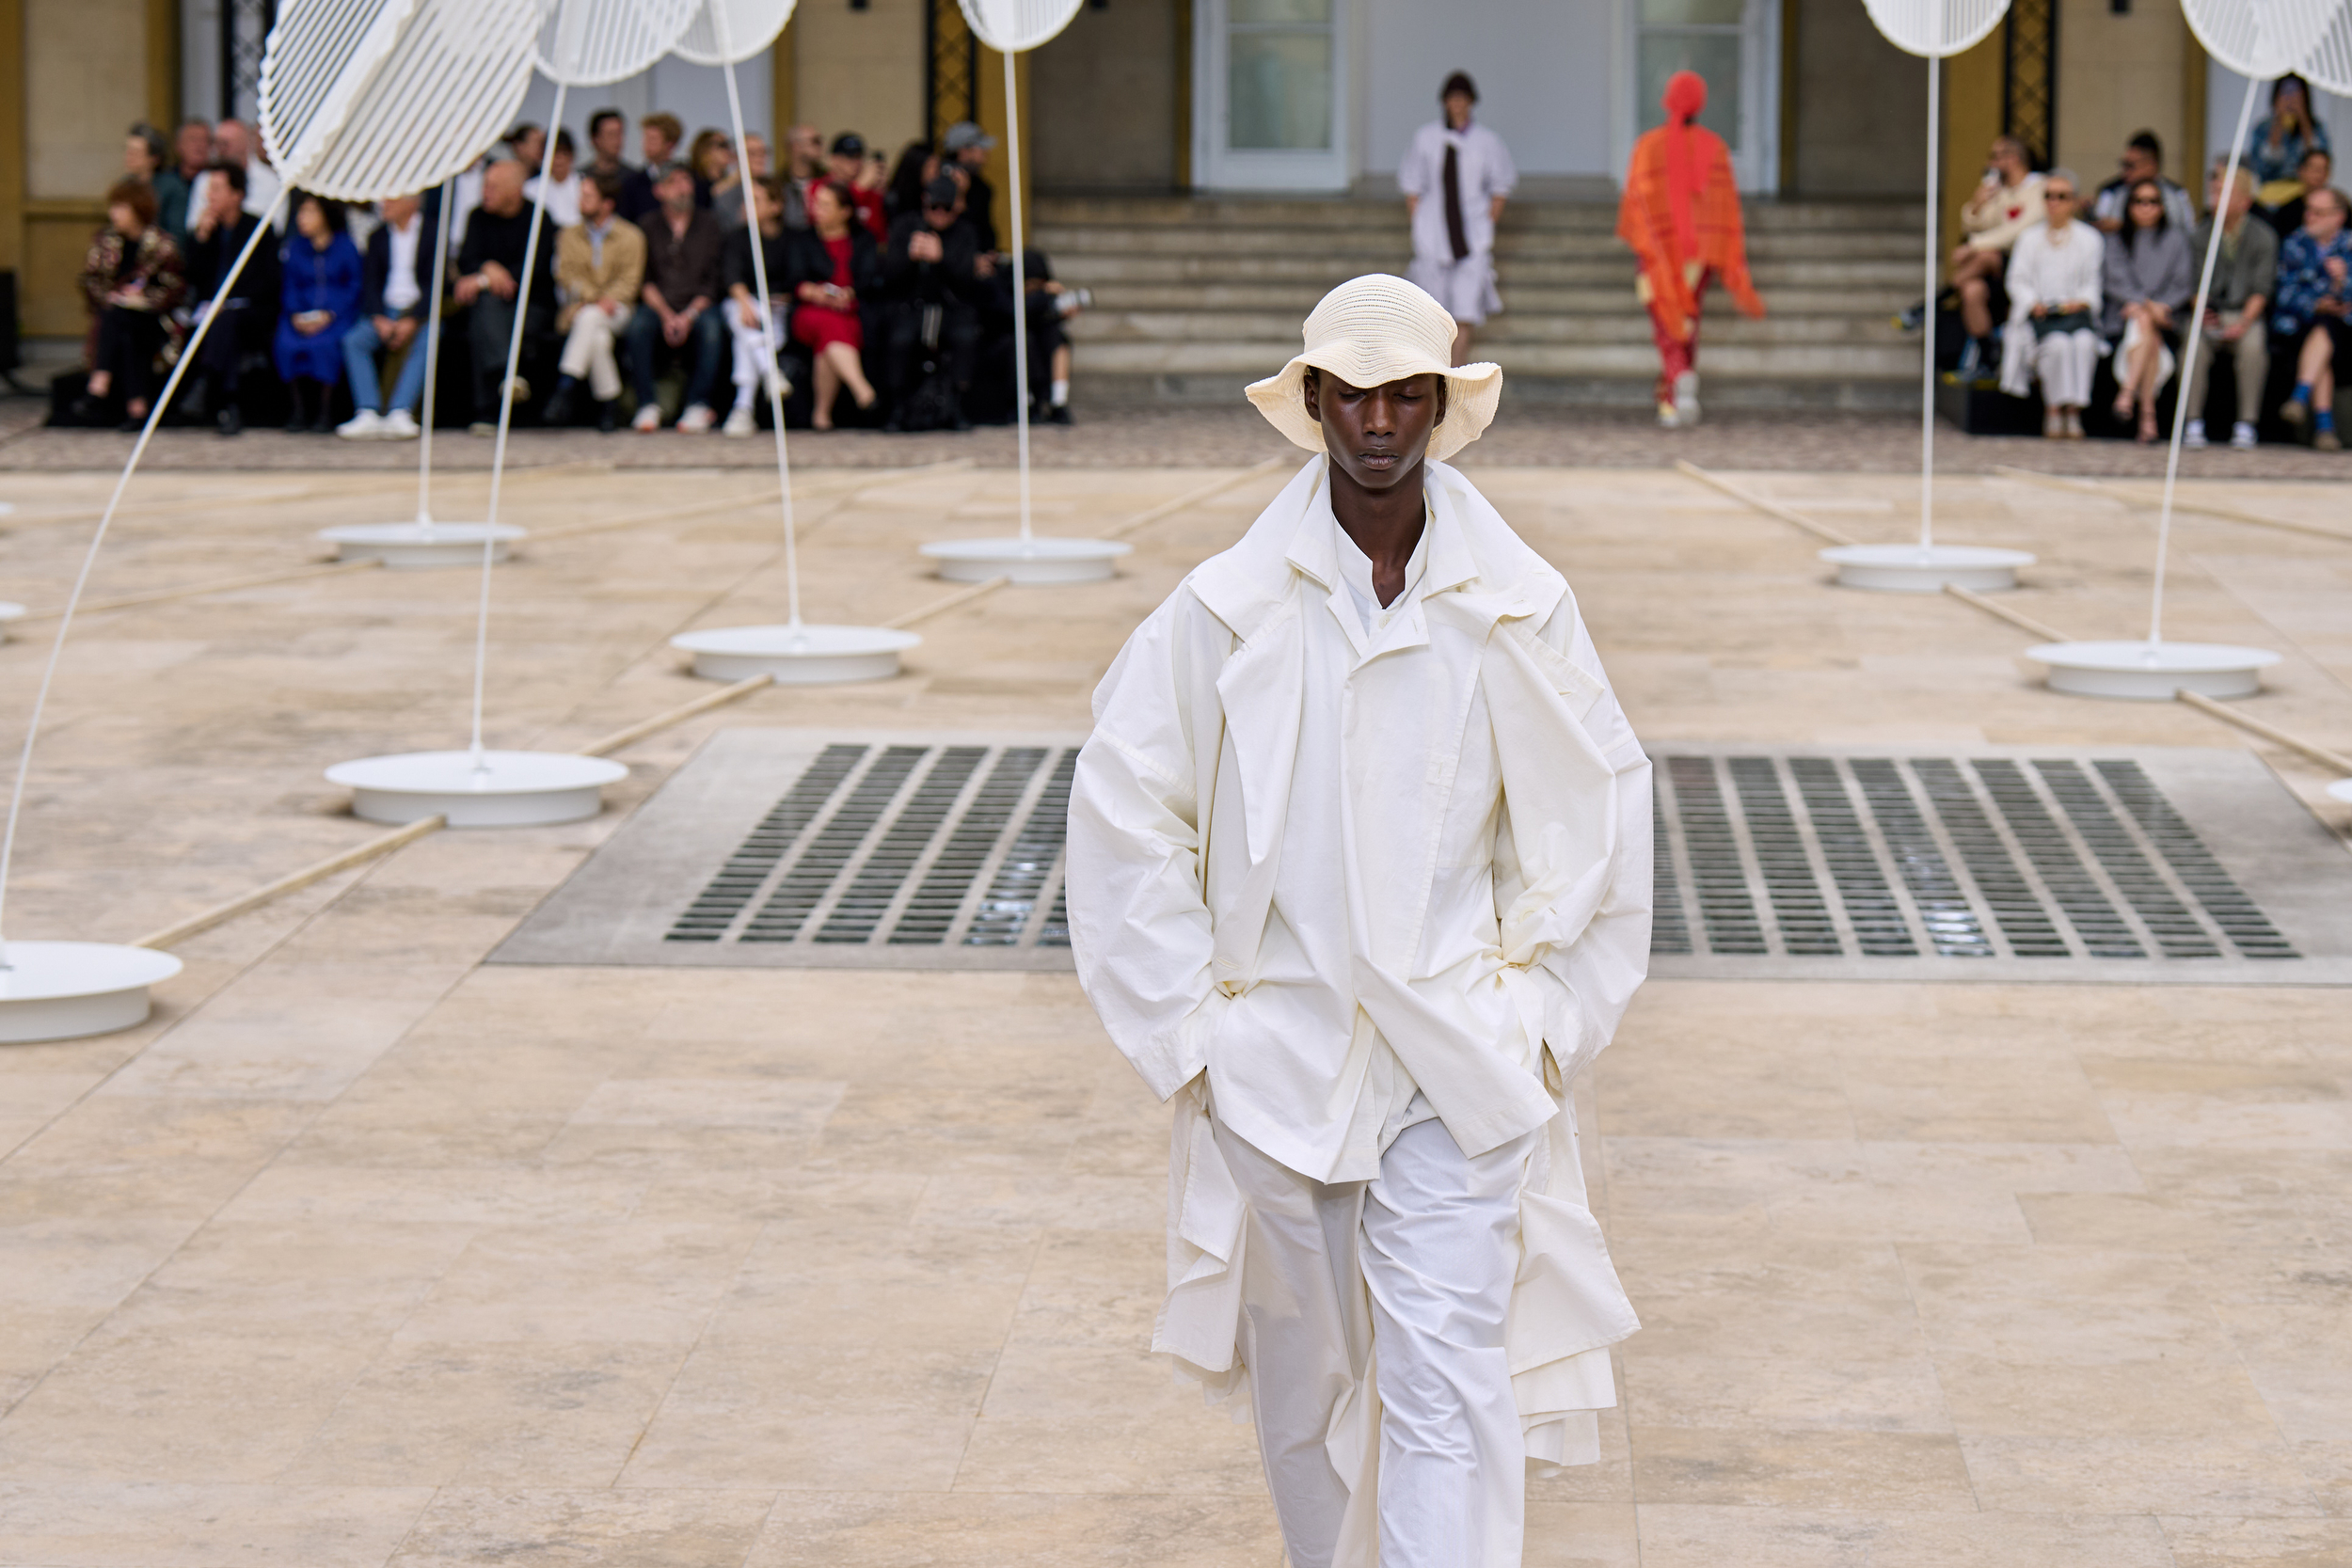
(707, 340)
(359, 347)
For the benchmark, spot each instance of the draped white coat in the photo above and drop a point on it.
(1176, 831)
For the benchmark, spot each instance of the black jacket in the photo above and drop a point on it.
(376, 269)
(806, 260)
(492, 238)
(208, 261)
(950, 280)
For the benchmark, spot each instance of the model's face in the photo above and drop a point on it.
(2010, 162)
(1376, 434)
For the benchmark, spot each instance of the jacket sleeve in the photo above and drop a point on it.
(1139, 917)
(376, 270)
(1587, 981)
(2005, 234)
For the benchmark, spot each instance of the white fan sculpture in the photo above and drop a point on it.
(797, 652)
(2259, 39)
(582, 43)
(352, 93)
(1012, 27)
(1935, 29)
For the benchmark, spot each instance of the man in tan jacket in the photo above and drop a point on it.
(600, 266)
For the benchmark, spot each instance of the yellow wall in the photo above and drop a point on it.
(993, 121)
(1972, 118)
(861, 71)
(2118, 74)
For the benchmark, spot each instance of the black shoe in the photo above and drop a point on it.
(324, 423)
(229, 421)
(558, 413)
(88, 410)
(1059, 414)
(132, 426)
(608, 418)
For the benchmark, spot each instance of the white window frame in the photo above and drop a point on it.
(1756, 166)
(1215, 167)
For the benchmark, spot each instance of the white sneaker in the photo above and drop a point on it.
(779, 384)
(648, 419)
(2242, 436)
(2193, 435)
(1686, 397)
(1667, 418)
(697, 419)
(739, 424)
(366, 425)
(399, 425)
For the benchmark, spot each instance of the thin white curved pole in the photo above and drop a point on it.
(767, 326)
(1935, 243)
(497, 453)
(432, 346)
(265, 229)
(1020, 282)
(2188, 342)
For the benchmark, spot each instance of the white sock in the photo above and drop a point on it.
(742, 397)
(1060, 393)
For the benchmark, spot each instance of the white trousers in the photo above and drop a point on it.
(1402, 1283)
(588, 351)
(2064, 361)
(753, 347)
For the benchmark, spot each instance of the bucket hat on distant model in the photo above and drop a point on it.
(1373, 330)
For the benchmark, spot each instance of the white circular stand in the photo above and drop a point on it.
(1926, 568)
(9, 610)
(509, 789)
(1029, 562)
(796, 656)
(62, 991)
(416, 544)
(2341, 791)
(2153, 672)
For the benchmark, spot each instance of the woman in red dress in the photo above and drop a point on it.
(834, 261)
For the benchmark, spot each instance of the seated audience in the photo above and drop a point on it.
(600, 265)
(2143, 159)
(2005, 205)
(2054, 284)
(395, 306)
(658, 136)
(145, 159)
(489, 273)
(2278, 143)
(933, 274)
(217, 236)
(192, 154)
(711, 156)
(727, 200)
(1050, 306)
(758, 339)
(685, 261)
(835, 265)
(916, 169)
(2310, 315)
(2312, 173)
(2244, 274)
(321, 274)
(864, 178)
(2148, 282)
(562, 182)
(967, 148)
(132, 280)
(803, 164)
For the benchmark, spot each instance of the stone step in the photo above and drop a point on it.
(1314, 274)
(1896, 363)
(1392, 241)
(1345, 212)
(1627, 326)
(1612, 297)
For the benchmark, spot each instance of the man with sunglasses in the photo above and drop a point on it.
(934, 275)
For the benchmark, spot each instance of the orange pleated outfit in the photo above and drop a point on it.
(1680, 213)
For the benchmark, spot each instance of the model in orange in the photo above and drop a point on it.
(1681, 216)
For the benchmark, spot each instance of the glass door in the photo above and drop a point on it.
(1735, 44)
(1269, 85)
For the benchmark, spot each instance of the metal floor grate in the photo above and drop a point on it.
(777, 847)
(2014, 863)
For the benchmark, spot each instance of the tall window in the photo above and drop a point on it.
(1704, 36)
(1278, 75)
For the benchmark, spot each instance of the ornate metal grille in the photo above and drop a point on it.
(2029, 76)
(244, 27)
(951, 69)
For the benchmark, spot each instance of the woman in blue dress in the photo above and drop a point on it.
(320, 300)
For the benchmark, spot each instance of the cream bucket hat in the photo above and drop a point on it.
(1373, 330)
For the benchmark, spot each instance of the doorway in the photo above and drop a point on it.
(1269, 90)
(1735, 44)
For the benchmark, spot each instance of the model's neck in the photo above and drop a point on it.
(1385, 524)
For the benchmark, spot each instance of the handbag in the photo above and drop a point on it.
(2059, 321)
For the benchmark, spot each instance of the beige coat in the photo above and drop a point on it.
(583, 283)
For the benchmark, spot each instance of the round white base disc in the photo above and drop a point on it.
(2153, 672)
(1028, 563)
(2341, 791)
(9, 612)
(414, 545)
(1926, 568)
(62, 991)
(796, 656)
(510, 789)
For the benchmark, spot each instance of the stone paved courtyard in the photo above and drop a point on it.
(364, 1251)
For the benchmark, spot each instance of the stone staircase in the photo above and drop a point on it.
(1196, 296)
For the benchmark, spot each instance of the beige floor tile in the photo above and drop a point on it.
(2173, 1396)
(894, 1530)
(529, 1528)
(1081, 1418)
(583, 1283)
(2125, 1475)
(142, 1523)
(861, 1286)
(1758, 1467)
(2203, 1543)
(1679, 1535)
(1830, 1393)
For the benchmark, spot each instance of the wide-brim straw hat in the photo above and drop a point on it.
(1373, 330)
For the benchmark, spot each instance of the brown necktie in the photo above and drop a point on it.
(1453, 233)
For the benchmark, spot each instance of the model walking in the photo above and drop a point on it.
(1456, 178)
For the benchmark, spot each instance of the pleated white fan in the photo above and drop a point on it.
(582, 43)
(329, 70)
(1012, 27)
(1934, 29)
(796, 653)
(2259, 39)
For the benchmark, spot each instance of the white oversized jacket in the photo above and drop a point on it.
(1539, 889)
